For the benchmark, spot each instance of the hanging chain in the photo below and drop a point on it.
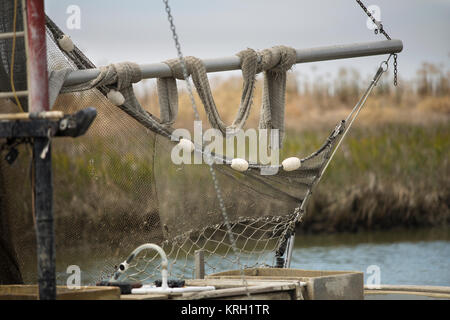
(209, 161)
(196, 114)
(395, 70)
(377, 23)
(181, 58)
(380, 29)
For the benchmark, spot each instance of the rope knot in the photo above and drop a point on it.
(278, 59)
(176, 66)
(249, 63)
(127, 74)
(122, 74)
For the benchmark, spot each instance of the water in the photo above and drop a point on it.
(406, 257)
(401, 257)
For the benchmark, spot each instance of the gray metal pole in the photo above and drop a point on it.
(161, 70)
(290, 249)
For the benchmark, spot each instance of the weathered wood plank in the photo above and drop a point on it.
(31, 292)
(280, 295)
(318, 284)
(239, 291)
(278, 272)
(153, 296)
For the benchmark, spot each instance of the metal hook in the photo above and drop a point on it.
(385, 65)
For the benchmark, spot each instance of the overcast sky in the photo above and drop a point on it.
(138, 30)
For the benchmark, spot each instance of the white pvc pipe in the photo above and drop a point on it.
(164, 263)
(147, 289)
(161, 70)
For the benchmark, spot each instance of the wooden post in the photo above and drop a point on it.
(199, 264)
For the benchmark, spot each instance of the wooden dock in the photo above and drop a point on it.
(260, 284)
(272, 284)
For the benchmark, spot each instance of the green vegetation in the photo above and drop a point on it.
(384, 177)
(391, 171)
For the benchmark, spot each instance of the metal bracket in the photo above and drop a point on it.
(77, 124)
(73, 125)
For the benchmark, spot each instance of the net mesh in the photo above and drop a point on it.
(6, 46)
(116, 188)
(12, 178)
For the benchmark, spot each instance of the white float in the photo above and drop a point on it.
(116, 97)
(66, 43)
(291, 164)
(186, 145)
(239, 164)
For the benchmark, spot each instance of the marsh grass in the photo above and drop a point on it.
(382, 177)
(391, 171)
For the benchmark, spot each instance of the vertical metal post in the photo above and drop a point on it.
(43, 206)
(37, 57)
(199, 257)
(290, 248)
(43, 189)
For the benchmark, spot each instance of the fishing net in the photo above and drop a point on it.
(116, 188)
(11, 177)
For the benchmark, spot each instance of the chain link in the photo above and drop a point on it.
(377, 23)
(181, 58)
(210, 158)
(382, 31)
(395, 70)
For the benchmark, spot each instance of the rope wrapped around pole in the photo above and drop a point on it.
(274, 62)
